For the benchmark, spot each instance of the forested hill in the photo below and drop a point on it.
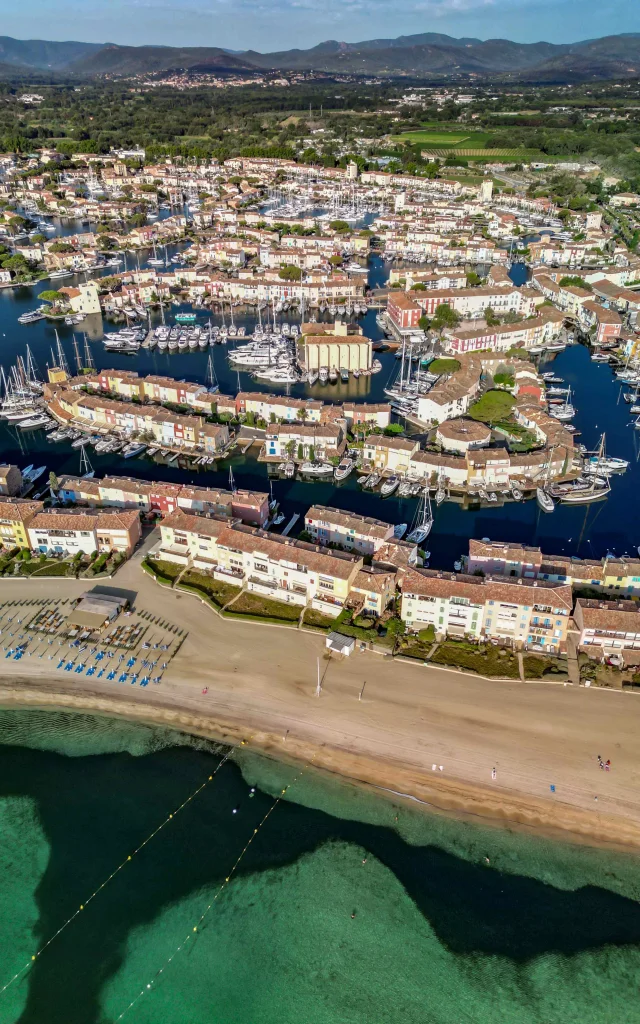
(426, 56)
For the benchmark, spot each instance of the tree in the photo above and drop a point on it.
(424, 323)
(335, 260)
(300, 452)
(394, 429)
(305, 535)
(445, 316)
(53, 482)
(493, 407)
(312, 453)
(290, 273)
(490, 317)
(340, 226)
(52, 296)
(61, 247)
(573, 281)
(395, 629)
(301, 414)
(473, 279)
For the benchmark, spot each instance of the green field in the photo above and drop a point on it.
(428, 138)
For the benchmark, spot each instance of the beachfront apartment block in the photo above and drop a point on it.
(15, 518)
(620, 576)
(372, 591)
(348, 529)
(277, 567)
(69, 532)
(525, 613)
(301, 441)
(389, 454)
(609, 625)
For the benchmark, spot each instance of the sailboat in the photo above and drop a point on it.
(154, 260)
(86, 469)
(441, 492)
(211, 379)
(423, 521)
(579, 492)
(232, 482)
(545, 501)
(272, 501)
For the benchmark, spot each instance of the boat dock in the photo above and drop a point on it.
(290, 525)
(145, 343)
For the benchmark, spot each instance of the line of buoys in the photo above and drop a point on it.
(194, 930)
(128, 858)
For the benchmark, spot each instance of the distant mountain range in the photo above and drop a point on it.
(427, 56)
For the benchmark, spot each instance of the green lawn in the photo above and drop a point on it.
(316, 620)
(50, 567)
(166, 572)
(216, 590)
(257, 607)
(55, 569)
(536, 666)
(486, 660)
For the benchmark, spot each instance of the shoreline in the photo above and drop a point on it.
(435, 794)
(231, 681)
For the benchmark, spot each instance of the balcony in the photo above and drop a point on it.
(326, 605)
(172, 554)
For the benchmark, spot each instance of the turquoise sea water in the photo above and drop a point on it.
(542, 933)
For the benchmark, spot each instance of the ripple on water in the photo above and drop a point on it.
(547, 933)
(83, 735)
(24, 853)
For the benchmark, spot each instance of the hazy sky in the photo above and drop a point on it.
(278, 24)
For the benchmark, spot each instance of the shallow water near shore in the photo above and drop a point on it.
(542, 932)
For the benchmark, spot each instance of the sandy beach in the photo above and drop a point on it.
(261, 687)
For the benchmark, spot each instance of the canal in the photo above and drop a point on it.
(587, 531)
